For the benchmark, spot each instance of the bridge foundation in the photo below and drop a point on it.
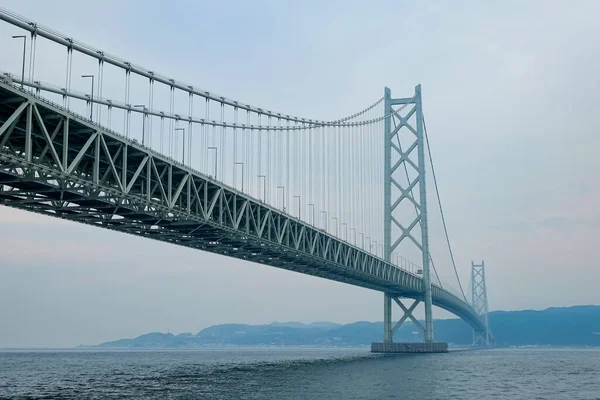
(398, 348)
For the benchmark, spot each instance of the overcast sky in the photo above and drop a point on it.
(511, 93)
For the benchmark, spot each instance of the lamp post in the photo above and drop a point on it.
(283, 196)
(144, 109)
(64, 96)
(264, 186)
(215, 149)
(312, 213)
(23, 66)
(298, 197)
(354, 236)
(109, 113)
(242, 164)
(91, 96)
(345, 230)
(337, 227)
(183, 145)
(326, 220)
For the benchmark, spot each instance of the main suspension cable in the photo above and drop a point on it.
(441, 210)
(358, 114)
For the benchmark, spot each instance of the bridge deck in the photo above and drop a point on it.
(57, 163)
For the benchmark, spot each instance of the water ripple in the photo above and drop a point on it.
(299, 374)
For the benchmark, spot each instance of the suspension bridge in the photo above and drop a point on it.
(149, 155)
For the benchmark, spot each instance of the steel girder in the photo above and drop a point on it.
(57, 163)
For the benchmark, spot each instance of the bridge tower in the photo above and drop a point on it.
(405, 202)
(480, 303)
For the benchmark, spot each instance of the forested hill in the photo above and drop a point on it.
(568, 326)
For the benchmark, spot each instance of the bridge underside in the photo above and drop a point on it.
(57, 163)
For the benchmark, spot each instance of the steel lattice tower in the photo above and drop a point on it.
(405, 203)
(480, 303)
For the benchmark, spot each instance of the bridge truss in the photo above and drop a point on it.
(56, 163)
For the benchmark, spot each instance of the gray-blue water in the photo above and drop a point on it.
(300, 374)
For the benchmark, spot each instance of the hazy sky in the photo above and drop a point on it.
(511, 93)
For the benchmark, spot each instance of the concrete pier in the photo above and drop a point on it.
(378, 347)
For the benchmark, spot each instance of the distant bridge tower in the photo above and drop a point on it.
(480, 303)
(405, 204)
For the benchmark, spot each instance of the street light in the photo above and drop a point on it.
(345, 230)
(23, 66)
(144, 109)
(242, 164)
(215, 149)
(109, 113)
(337, 227)
(264, 186)
(326, 220)
(298, 197)
(312, 213)
(91, 96)
(283, 196)
(183, 145)
(353, 229)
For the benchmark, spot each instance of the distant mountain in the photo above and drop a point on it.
(569, 326)
(553, 326)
